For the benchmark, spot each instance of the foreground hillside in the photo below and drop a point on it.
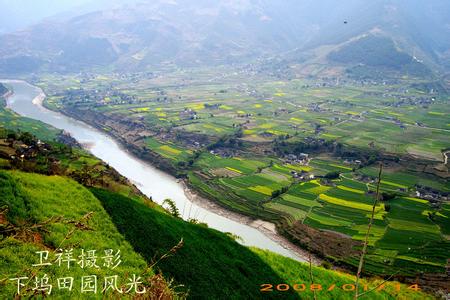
(42, 213)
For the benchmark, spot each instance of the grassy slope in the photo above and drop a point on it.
(210, 263)
(35, 198)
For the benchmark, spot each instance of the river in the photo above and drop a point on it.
(26, 101)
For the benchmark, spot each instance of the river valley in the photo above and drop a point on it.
(27, 101)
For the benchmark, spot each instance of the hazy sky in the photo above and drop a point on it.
(16, 14)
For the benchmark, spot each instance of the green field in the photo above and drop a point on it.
(168, 150)
(12, 121)
(352, 115)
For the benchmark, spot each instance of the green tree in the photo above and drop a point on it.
(172, 208)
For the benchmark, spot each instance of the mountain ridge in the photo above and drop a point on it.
(140, 36)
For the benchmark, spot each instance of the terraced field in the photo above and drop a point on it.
(168, 150)
(344, 205)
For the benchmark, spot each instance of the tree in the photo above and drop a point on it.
(196, 154)
(385, 196)
(332, 175)
(12, 135)
(172, 208)
(26, 137)
(239, 132)
(432, 215)
(276, 193)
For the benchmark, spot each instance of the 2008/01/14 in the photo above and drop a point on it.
(347, 287)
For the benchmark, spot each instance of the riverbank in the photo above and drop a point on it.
(267, 228)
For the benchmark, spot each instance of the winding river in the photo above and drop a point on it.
(26, 101)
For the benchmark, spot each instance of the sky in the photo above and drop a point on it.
(17, 14)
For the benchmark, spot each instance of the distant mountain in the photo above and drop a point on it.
(137, 36)
(369, 52)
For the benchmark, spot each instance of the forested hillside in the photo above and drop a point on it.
(377, 51)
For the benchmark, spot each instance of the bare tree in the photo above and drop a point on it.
(366, 240)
